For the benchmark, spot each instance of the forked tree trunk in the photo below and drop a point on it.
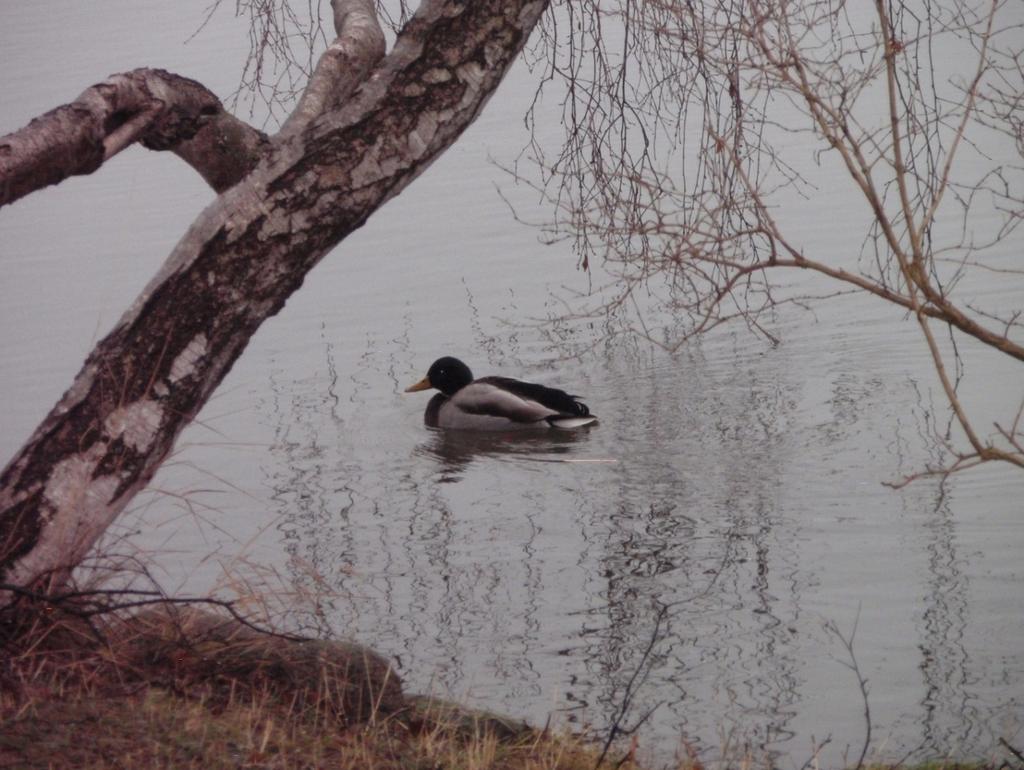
(314, 183)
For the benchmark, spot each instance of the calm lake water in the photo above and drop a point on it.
(690, 553)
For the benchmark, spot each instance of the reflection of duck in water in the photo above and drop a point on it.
(455, 451)
(495, 403)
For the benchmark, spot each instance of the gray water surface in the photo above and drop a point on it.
(689, 553)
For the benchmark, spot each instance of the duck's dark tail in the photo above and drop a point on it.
(581, 409)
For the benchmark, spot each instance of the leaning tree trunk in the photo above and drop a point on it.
(365, 127)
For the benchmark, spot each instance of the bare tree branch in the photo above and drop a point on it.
(675, 179)
(359, 45)
(169, 112)
(158, 109)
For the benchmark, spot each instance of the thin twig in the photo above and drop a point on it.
(862, 683)
(616, 728)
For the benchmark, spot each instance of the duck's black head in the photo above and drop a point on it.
(447, 374)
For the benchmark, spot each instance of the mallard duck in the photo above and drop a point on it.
(495, 403)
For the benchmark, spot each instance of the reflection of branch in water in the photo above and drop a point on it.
(332, 374)
(300, 484)
(638, 550)
(640, 674)
(949, 719)
(697, 508)
(759, 578)
(433, 585)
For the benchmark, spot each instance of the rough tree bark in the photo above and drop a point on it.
(365, 128)
(155, 108)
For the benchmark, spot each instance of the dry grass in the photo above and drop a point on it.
(67, 701)
(63, 723)
(153, 728)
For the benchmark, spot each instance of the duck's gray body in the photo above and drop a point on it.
(485, 405)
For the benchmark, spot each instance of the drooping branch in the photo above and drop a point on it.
(235, 267)
(161, 110)
(693, 198)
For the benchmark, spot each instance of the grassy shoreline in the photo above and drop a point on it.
(175, 689)
(155, 728)
(180, 688)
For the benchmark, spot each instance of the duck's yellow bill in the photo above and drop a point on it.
(423, 384)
